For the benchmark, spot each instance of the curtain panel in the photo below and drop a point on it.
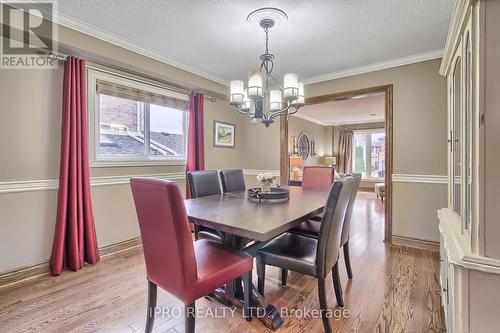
(195, 151)
(345, 150)
(74, 237)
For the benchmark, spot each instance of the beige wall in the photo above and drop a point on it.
(261, 147)
(322, 136)
(30, 139)
(30, 120)
(419, 127)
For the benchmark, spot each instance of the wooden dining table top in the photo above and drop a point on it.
(236, 214)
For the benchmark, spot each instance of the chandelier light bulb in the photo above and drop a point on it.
(246, 101)
(275, 100)
(255, 84)
(300, 101)
(290, 86)
(237, 96)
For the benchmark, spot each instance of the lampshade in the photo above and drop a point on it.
(246, 101)
(237, 92)
(255, 84)
(330, 160)
(300, 101)
(290, 86)
(275, 100)
(296, 162)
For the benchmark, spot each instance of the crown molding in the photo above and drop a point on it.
(457, 21)
(322, 123)
(312, 120)
(91, 30)
(436, 54)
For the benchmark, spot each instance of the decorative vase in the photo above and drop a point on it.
(265, 187)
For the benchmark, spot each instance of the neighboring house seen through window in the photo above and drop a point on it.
(136, 124)
(369, 153)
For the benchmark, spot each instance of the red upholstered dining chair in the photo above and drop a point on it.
(186, 269)
(317, 176)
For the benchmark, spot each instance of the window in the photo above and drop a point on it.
(368, 157)
(134, 123)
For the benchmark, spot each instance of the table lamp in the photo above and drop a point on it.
(330, 160)
(296, 163)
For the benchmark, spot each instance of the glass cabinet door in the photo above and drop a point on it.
(468, 126)
(456, 136)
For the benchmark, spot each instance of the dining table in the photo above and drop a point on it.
(246, 224)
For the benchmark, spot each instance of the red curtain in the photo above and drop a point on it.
(195, 151)
(74, 238)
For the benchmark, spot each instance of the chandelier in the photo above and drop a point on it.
(266, 98)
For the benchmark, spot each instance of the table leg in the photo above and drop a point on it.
(233, 293)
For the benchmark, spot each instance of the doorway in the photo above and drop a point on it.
(387, 91)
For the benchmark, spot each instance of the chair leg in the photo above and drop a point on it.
(347, 260)
(284, 276)
(238, 290)
(337, 286)
(324, 305)
(196, 230)
(261, 276)
(190, 311)
(247, 286)
(152, 297)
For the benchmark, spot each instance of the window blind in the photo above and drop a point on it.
(117, 90)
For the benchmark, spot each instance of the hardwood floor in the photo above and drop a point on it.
(394, 289)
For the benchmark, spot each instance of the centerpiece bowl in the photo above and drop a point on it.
(276, 194)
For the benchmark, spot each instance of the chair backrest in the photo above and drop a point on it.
(232, 180)
(203, 183)
(346, 228)
(317, 176)
(331, 225)
(166, 235)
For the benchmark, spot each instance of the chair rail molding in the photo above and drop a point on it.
(53, 184)
(421, 179)
(255, 172)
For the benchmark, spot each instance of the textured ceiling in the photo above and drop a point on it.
(321, 36)
(368, 109)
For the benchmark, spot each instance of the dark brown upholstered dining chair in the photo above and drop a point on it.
(311, 228)
(314, 176)
(232, 180)
(310, 256)
(201, 184)
(186, 269)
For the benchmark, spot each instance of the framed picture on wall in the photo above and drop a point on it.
(224, 134)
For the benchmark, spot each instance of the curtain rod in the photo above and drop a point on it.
(63, 57)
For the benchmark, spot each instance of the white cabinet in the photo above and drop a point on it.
(471, 66)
